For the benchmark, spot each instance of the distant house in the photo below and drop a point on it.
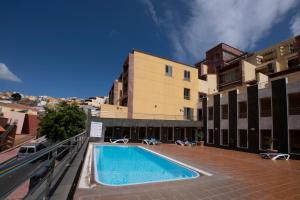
(95, 101)
(25, 117)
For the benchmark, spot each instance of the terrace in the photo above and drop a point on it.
(236, 175)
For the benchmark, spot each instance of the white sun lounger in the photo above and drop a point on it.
(151, 141)
(179, 142)
(275, 156)
(122, 140)
(186, 143)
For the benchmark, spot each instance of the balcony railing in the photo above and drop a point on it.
(243, 115)
(294, 110)
(124, 115)
(224, 116)
(266, 113)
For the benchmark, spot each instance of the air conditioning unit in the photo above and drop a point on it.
(281, 50)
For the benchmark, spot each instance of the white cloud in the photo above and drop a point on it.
(240, 23)
(6, 74)
(295, 25)
(151, 10)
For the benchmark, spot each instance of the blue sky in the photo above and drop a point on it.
(77, 48)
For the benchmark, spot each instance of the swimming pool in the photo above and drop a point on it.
(130, 165)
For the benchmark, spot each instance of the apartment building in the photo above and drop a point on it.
(257, 104)
(153, 97)
(241, 101)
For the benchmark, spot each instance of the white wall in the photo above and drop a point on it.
(15, 117)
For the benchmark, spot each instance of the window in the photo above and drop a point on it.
(170, 134)
(270, 68)
(230, 76)
(30, 150)
(23, 150)
(133, 131)
(188, 113)
(40, 147)
(266, 139)
(225, 111)
(200, 96)
(243, 109)
(293, 63)
(294, 104)
(199, 114)
(210, 113)
(292, 48)
(109, 132)
(187, 93)
(295, 141)
(228, 56)
(243, 139)
(210, 136)
(168, 70)
(187, 75)
(179, 132)
(265, 107)
(126, 132)
(142, 133)
(225, 137)
(156, 133)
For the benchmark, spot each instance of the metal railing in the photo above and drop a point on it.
(43, 169)
(294, 110)
(266, 113)
(111, 114)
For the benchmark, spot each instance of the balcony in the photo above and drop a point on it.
(266, 113)
(243, 115)
(294, 110)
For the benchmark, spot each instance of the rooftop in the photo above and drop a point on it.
(18, 106)
(150, 54)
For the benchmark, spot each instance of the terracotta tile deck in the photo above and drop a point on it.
(237, 175)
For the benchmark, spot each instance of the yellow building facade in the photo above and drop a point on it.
(157, 88)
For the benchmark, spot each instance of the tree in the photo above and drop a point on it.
(16, 97)
(62, 122)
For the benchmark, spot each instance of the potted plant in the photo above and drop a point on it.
(200, 137)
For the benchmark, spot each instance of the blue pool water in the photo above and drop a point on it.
(128, 165)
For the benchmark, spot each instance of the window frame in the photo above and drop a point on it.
(145, 133)
(168, 128)
(260, 138)
(187, 97)
(290, 143)
(241, 115)
(185, 113)
(222, 137)
(225, 117)
(208, 136)
(211, 115)
(239, 140)
(109, 130)
(267, 113)
(168, 70)
(291, 110)
(187, 75)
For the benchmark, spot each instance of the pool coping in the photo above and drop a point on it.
(89, 176)
(179, 162)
